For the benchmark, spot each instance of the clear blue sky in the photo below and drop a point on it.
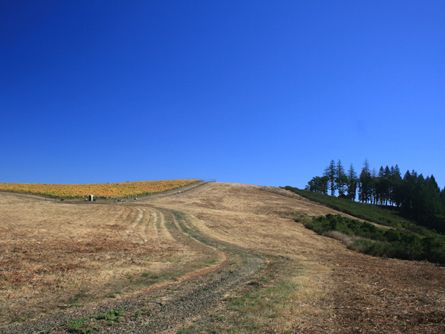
(263, 92)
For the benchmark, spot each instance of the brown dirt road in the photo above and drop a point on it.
(276, 277)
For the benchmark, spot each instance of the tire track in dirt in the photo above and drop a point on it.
(200, 290)
(163, 228)
(138, 226)
(143, 225)
(168, 304)
(154, 227)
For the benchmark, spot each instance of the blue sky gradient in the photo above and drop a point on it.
(263, 92)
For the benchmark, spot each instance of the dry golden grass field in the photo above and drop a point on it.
(219, 258)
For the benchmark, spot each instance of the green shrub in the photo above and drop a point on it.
(396, 243)
(80, 326)
(111, 316)
(369, 212)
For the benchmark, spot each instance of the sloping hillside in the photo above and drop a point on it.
(227, 258)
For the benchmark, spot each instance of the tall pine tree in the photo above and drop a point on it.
(341, 179)
(330, 172)
(365, 180)
(352, 183)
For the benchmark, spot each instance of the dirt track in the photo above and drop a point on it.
(237, 244)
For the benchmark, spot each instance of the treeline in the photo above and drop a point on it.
(414, 195)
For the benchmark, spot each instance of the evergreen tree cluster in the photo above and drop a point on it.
(416, 196)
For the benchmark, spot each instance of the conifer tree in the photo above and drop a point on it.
(330, 174)
(396, 184)
(341, 179)
(442, 196)
(352, 183)
(387, 185)
(373, 184)
(365, 183)
(318, 184)
(379, 183)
